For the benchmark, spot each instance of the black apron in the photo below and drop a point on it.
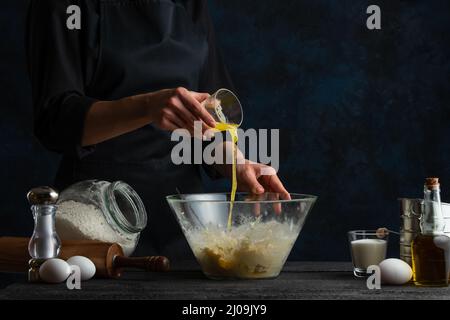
(145, 45)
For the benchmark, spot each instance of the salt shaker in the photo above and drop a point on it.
(44, 243)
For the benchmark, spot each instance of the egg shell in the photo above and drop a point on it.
(54, 271)
(395, 271)
(87, 267)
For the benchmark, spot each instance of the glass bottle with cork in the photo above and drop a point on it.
(430, 249)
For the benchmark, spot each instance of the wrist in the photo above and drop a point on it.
(141, 106)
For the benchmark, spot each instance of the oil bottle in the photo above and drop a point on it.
(430, 249)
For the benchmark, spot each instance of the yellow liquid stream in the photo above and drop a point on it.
(232, 129)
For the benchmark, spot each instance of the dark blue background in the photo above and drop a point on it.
(364, 115)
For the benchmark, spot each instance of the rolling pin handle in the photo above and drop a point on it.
(150, 263)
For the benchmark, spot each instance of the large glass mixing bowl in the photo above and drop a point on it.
(256, 245)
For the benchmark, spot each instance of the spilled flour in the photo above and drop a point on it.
(252, 250)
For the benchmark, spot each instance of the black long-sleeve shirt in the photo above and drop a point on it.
(63, 63)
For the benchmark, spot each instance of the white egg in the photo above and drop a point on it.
(395, 271)
(87, 267)
(54, 271)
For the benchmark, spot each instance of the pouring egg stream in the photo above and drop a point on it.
(232, 130)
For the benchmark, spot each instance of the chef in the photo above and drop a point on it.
(107, 95)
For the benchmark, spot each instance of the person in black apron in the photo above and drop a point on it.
(104, 98)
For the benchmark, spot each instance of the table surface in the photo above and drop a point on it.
(299, 280)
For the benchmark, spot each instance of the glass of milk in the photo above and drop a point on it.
(367, 248)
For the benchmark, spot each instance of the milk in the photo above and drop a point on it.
(366, 252)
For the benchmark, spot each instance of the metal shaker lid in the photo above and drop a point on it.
(42, 195)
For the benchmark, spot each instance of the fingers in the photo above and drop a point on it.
(276, 205)
(191, 103)
(173, 118)
(167, 124)
(253, 177)
(274, 184)
(177, 107)
(257, 209)
(200, 96)
(250, 179)
(184, 108)
(177, 113)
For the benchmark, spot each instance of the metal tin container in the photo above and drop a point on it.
(410, 213)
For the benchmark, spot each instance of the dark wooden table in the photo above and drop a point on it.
(299, 280)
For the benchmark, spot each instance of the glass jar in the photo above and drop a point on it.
(100, 210)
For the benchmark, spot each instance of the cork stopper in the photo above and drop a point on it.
(432, 183)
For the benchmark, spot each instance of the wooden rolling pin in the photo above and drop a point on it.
(107, 257)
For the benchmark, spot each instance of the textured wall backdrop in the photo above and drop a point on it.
(364, 115)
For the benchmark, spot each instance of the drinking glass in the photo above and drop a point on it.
(367, 247)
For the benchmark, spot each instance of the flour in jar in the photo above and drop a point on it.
(79, 221)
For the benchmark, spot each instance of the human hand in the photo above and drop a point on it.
(258, 178)
(172, 109)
